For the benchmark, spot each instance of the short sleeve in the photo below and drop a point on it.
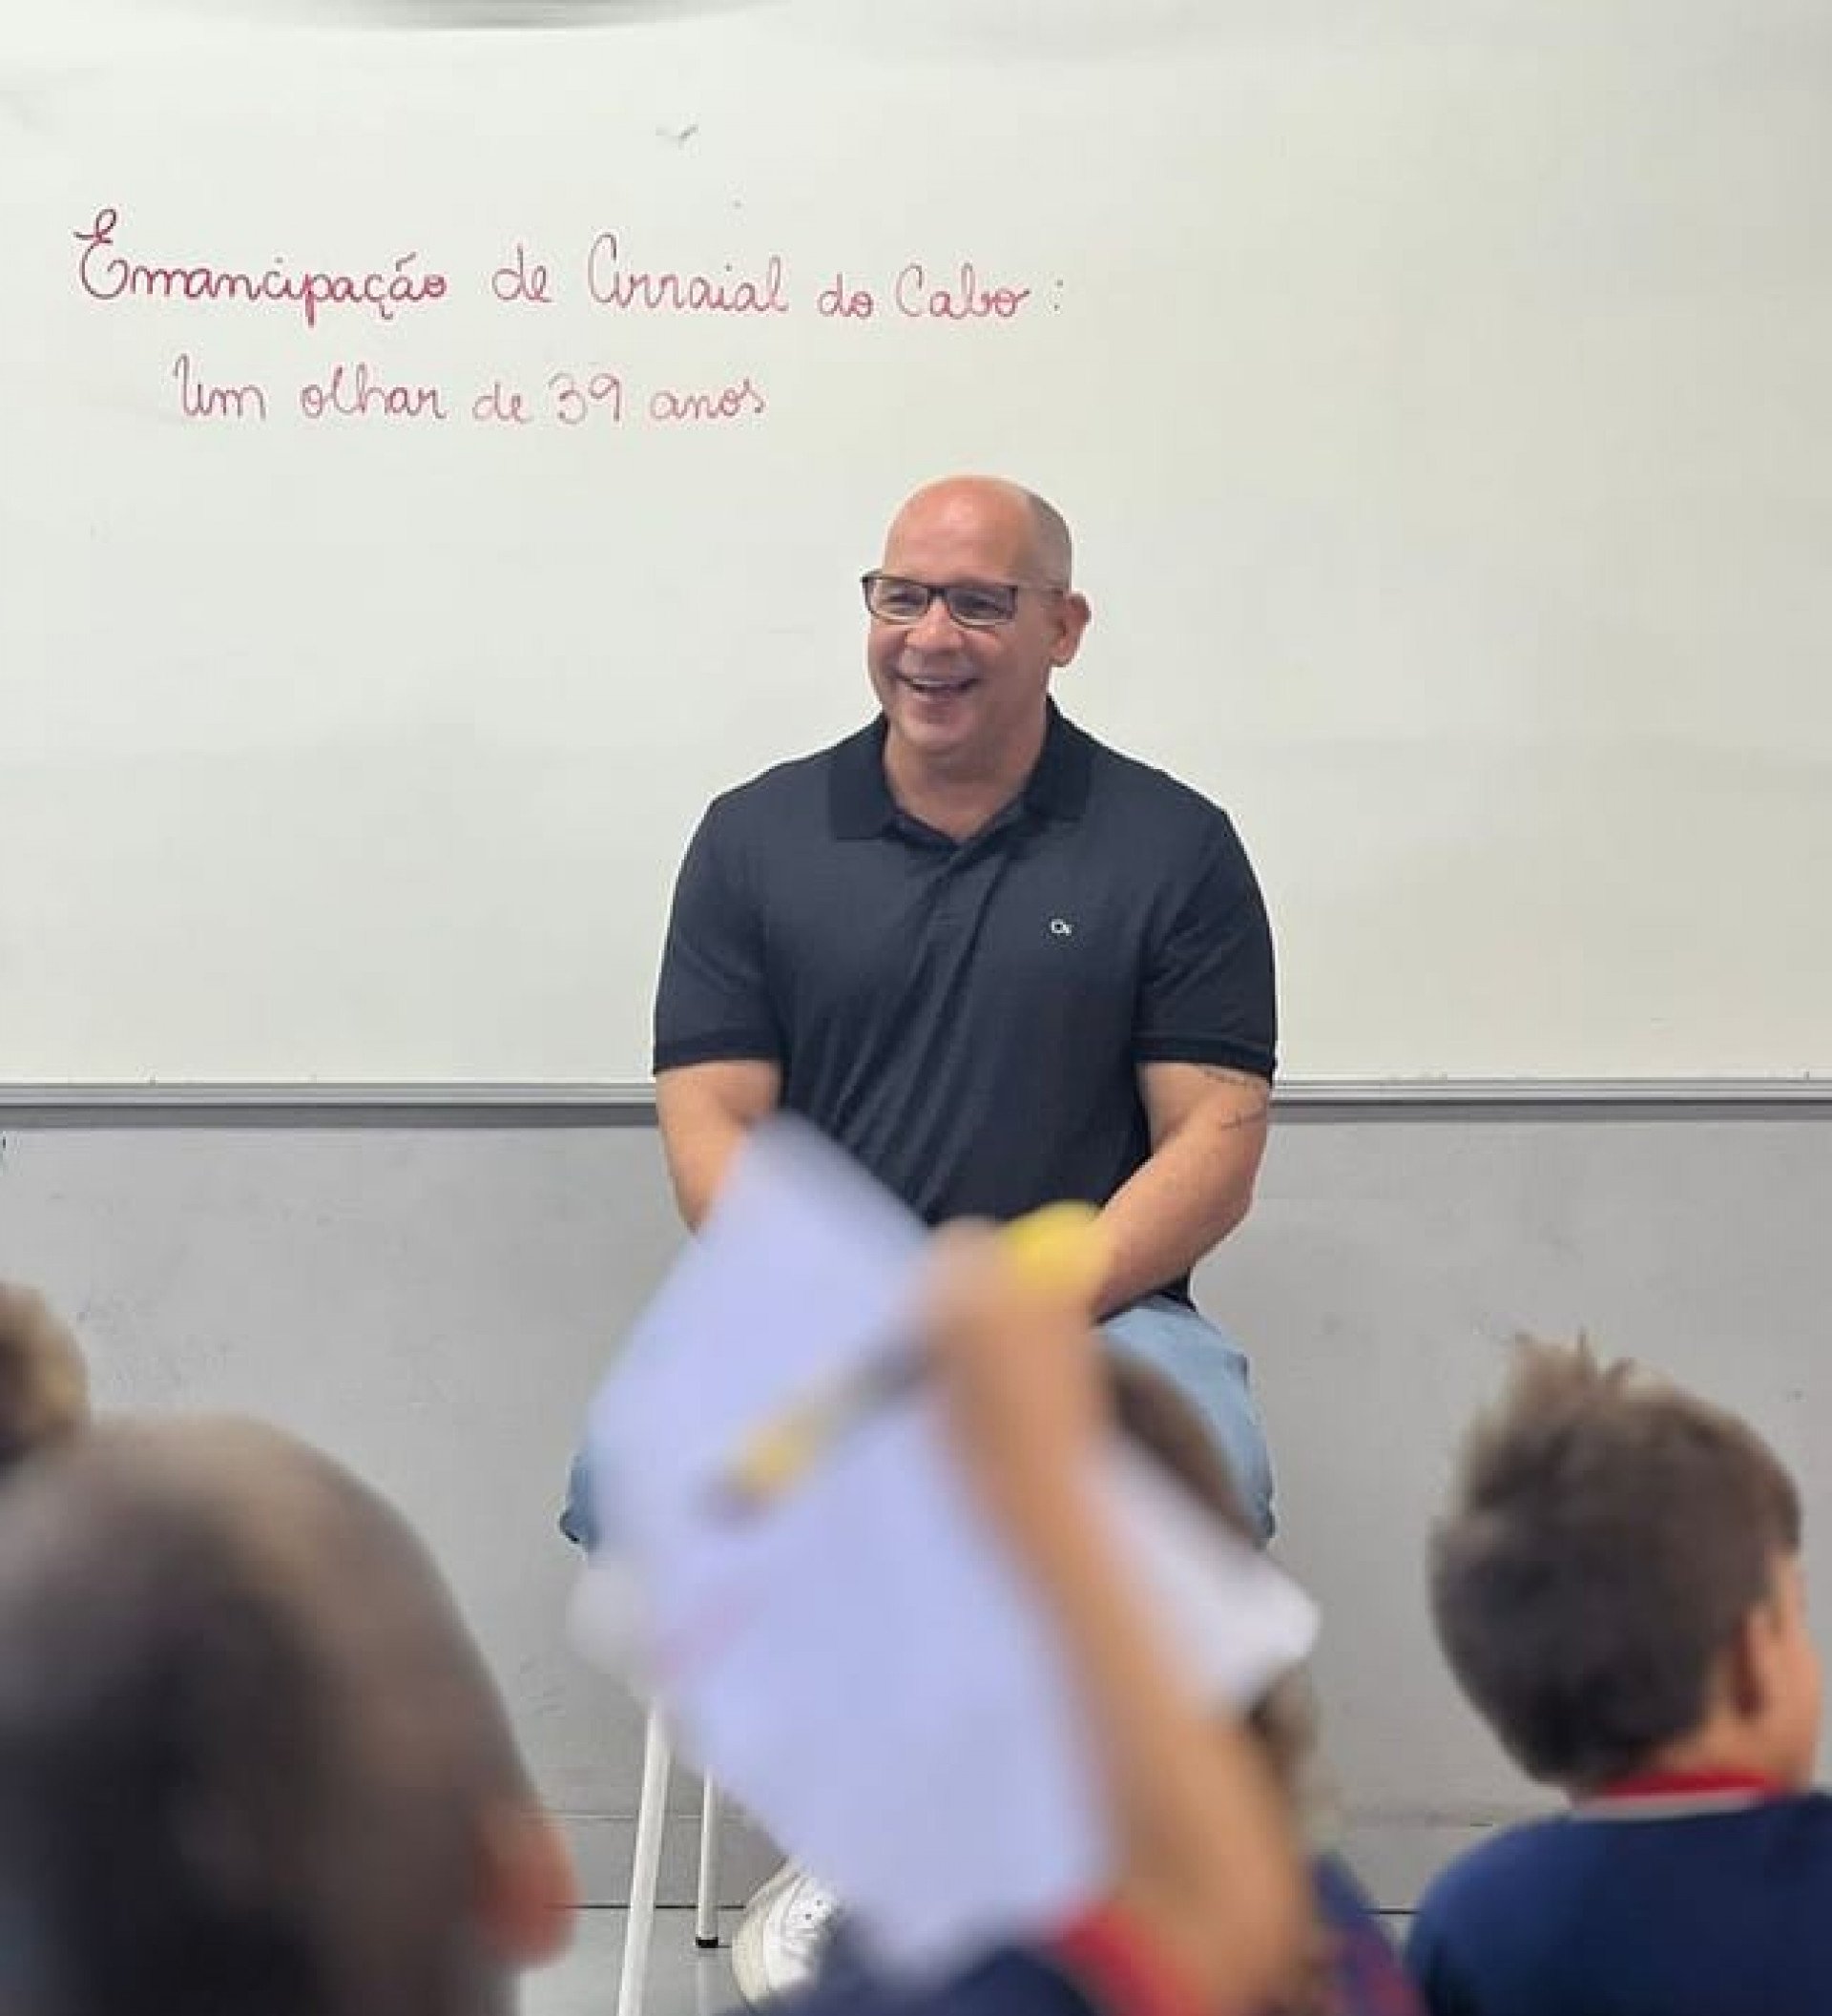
(1207, 993)
(713, 1000)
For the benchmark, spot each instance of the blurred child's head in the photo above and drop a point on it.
(1152, 1415)
(1617, 1581)
(43, 1388)
(250, 1758)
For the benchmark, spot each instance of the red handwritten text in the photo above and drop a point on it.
(964, 299)
(850, 304)
(518, 279)
(573, 401)
(601, 395)
(502, 403)
(741, 400)
(198, 400)
(105, 273)
(614, 285)
(355, 392)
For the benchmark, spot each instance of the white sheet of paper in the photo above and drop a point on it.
(860, 1665)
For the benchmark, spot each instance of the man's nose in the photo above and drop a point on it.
(934, 630)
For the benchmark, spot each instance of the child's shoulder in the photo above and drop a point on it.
(1526, 1918)
(1795, 1831)
(1810, 1809)
(1596, 1851)
(1498, 1868)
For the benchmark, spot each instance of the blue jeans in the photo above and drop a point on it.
(1210, 1371)
(1206, 1368)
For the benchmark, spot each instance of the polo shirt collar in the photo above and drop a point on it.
(859, 801)
(1673, 1794)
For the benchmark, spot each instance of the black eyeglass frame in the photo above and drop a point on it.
(947, 591)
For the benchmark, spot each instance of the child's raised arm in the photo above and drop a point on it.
(1206, 1863)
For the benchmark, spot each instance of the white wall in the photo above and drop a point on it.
(1438, 395)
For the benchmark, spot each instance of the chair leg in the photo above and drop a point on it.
(706, 1901)
(645, 1868)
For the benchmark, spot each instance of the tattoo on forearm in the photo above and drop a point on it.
(1247, 1082)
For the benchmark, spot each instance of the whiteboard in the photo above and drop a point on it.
(1440, 395)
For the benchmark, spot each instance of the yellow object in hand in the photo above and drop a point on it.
(777, 1454)
(1057, 1250)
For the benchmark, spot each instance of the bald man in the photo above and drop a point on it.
(250, 1759)
(996, 960)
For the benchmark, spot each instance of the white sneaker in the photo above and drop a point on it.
(779, 1941)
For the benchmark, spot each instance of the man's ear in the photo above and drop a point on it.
(1075, 617)
(526, 1891)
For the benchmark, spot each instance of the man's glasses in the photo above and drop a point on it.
(975, 604)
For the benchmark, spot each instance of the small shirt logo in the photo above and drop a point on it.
(1061, 927)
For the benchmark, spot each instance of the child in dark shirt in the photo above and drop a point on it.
(1618, 1587)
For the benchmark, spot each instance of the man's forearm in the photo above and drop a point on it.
(1180, 1204)
(700, 1158)
(706, 1112)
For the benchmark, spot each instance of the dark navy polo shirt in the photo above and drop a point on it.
(1609, 1910)
(968, 1018)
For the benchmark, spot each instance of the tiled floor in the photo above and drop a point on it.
(682, 1980)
